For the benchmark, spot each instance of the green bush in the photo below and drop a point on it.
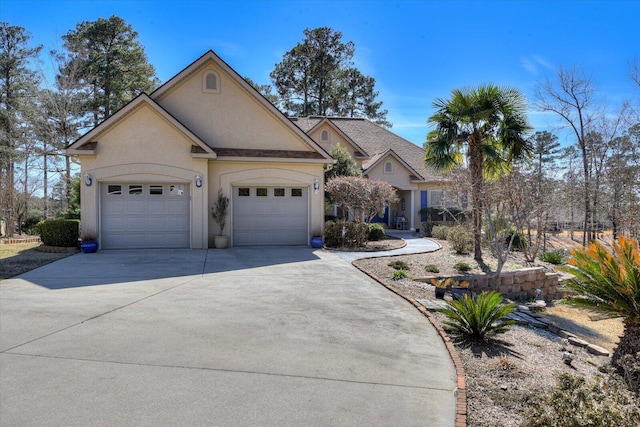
(376, 232)
(400, 274)
(519, 241)
(478, 318)
(576, 402)
(462, 266)
(36, 230)
(355, 233)
(399, 265)
(30, 222)
(432, 268)
(440, 232)
(461, 239)
(552, 257)
(60, 232)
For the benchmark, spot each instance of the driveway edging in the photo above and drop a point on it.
(461, 389)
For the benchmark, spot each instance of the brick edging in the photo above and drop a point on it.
(461, 388)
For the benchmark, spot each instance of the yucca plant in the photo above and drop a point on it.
(609, 284)
(478, 318)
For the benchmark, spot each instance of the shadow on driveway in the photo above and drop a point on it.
(121, 266)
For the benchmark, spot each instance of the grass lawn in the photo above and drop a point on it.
(19, 258)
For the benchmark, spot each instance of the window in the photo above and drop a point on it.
(243, 192)
(324, 136)
(176, 190)
(135, 190)
(278, 192)
(156, 190)
(261, 192)
(388, 167)
(210, 82)
(114, 190)
(296, 192)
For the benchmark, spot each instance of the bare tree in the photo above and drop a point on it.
(572, 98)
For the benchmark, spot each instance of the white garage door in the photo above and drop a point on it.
(270, 216)
(144, 216)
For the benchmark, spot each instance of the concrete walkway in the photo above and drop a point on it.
(237, 337)
(415, 245)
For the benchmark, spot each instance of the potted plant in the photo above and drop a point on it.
(219, 214)
(460, 289)
(441, 286)
(317, 239)
(89, 243)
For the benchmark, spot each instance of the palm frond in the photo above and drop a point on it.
(607, 283)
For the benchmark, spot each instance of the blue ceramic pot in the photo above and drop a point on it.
(317, 242)
(89, 247)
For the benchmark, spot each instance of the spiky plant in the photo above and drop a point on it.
(609, 284)
(478, 318)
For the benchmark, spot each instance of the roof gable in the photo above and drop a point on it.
(377, 140)
(381, 157)
(326, 122)
(86, 144)
(164, 91)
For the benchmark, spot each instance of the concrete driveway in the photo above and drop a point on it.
(239, 337)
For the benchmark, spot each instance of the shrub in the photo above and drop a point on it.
(36, 230)
(478, 318)
(431, 268)
(399, 265)
(60, 232)
(552, 257)
(376, 232)
(461, 239)
(462, 266)
(400, 274)
(576, 402)
(440, 232)
(609, 284)
(519, 241)
(30, 222)
(355, 233)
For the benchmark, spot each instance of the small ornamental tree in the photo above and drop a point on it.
(361, 197)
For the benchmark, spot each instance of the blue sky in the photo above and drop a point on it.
(416, 50)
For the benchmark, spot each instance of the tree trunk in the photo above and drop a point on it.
(477, 189)
(629, 342)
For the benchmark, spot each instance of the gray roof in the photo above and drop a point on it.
(376, 141)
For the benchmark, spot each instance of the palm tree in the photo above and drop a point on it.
(488, 126)
(609, 284)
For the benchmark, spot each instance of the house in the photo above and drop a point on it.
(385, 156)
(151, 172)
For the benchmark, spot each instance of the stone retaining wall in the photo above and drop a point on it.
(515, 284)
(14, 240)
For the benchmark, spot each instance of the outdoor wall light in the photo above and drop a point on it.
(87, 179)
(316, 186)
(198, 181)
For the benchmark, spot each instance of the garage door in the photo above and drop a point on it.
(144, 216)
(270, 216)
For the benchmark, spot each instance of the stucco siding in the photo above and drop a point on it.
(232, 118)
(227, 175)
(144, 148)
(400, 177)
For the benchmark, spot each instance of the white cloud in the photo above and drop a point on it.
(533, 63)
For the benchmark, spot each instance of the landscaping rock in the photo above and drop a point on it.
(597, 350)
(564, 334)
(577, 342)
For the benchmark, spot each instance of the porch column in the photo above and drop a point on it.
(411, 209)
